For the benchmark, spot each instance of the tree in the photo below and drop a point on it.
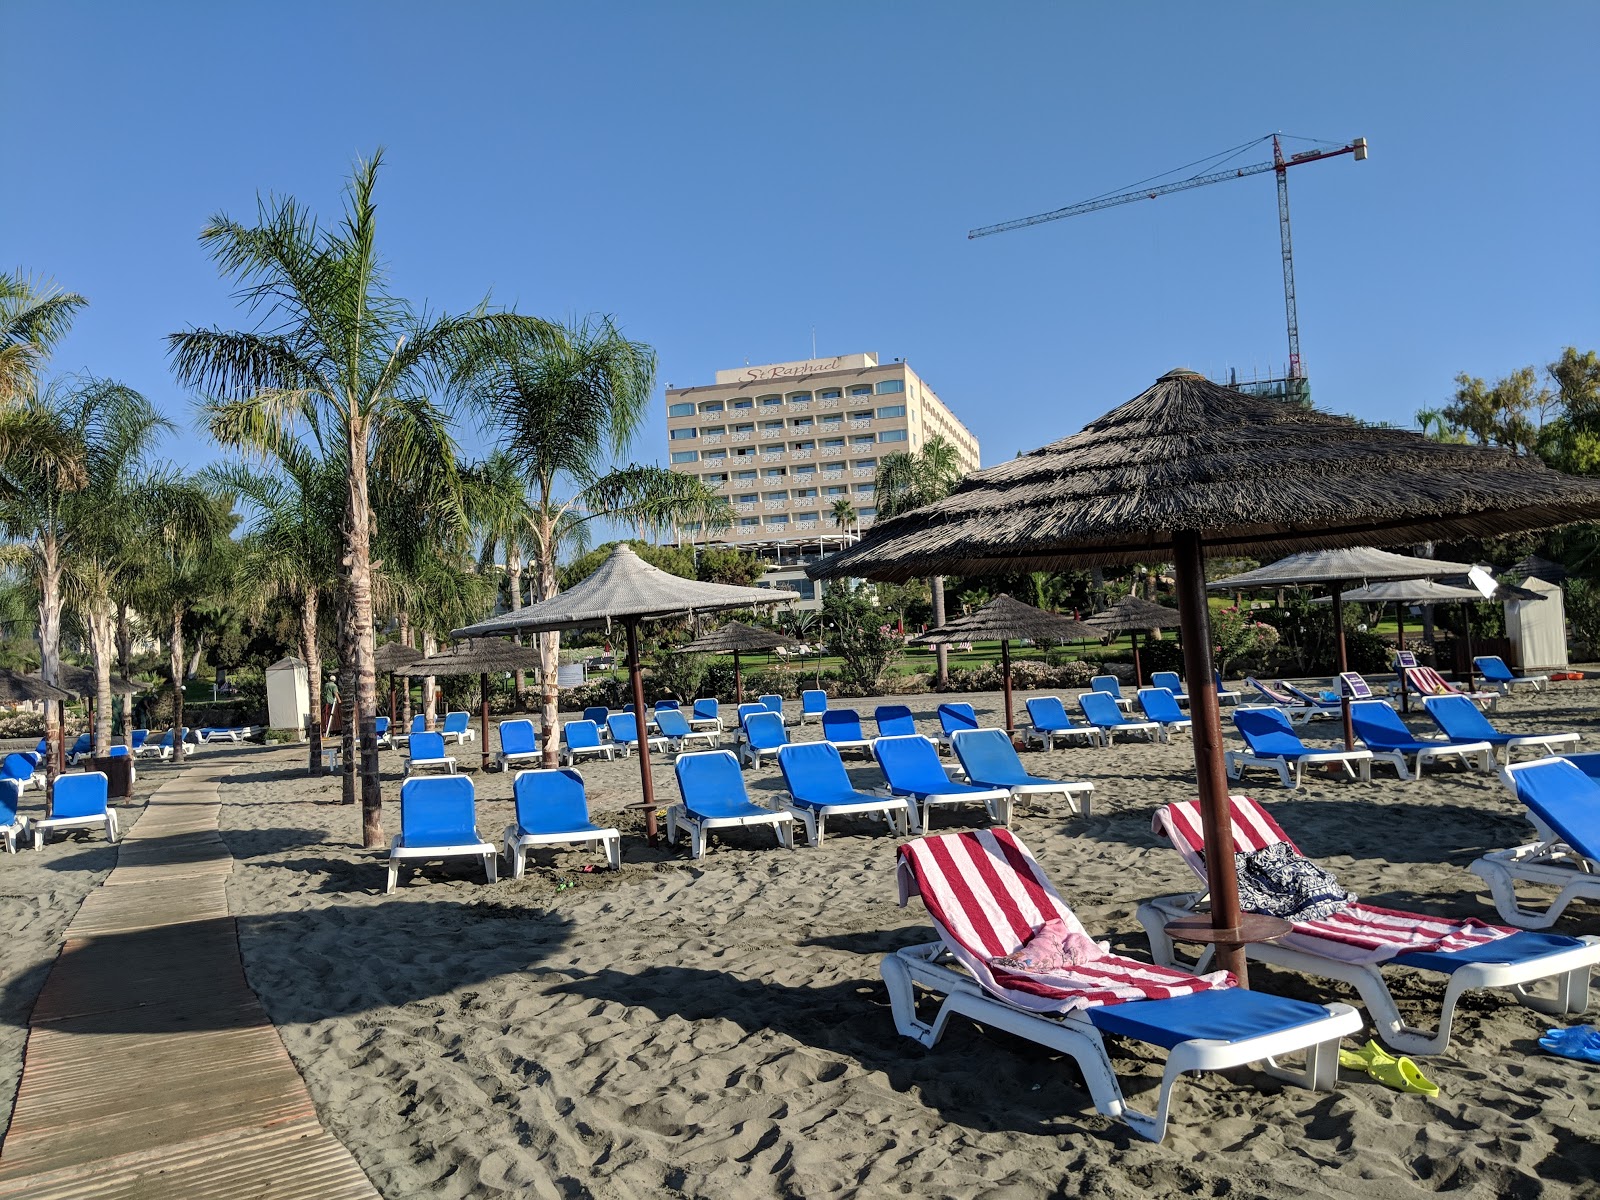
(843, 513)
(59, 504)
(337, 355)
(34, 316)
(730, 565)
(858, 635)
(564, 411)
(907, 481)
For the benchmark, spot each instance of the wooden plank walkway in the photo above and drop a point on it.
(152, 1069)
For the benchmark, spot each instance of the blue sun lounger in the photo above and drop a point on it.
(380, 727)
(1049, 721)
(1383, 732)
(1170, 681)
(813, 703)
(894, 720)
(425, 752)
(583, 741)
(841, 727)
(599, 714)
(458, 725)
(991, 761)
(81, 748)
(419, 724)
(954, 718)
(1274, 745)
(773, 703)
(553, 810)
(624, 728)
(764, 736)
(1110, 685)
(674, 726)
(706, 714)
(22, 770)
(1100, 710)
(438, 820)
(819, 788)
(910, 764)
(1459, 719)
(518, 743)
(13, 825)
(714, 797)
(1563, 803)
(78, 802)
(1161, 706)
(1500, 677)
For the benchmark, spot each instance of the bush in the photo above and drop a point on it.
(679, 676)
(859, 637)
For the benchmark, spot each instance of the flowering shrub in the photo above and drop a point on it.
(1240, 642)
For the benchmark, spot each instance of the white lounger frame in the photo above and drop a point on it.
(1153, 731)
(1549, 862)
(13, 834)
(1079, 794)
(996, 802)
(751, 756)
(1483, 752)
(571, 754)
(897, 812)
(507, 761)
(415, 765)
(607, 841)
(1047, 737)
(1549, 742)
(679, 817)
(39, 827)
(711, 739)
(1072, 1034)
(398, 853)
(1291, 771)
(1569, 969)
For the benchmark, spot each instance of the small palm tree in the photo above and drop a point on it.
(906, 481)
(34, 316)
(340, 358)
(843, 513)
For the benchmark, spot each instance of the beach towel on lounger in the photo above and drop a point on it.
(1356, 933)
(989, 899)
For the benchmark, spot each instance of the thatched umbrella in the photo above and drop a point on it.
(737, 638)
(1190, 468)
(15, 686)
(1132, 614)
(1337, 570)
(626, 588)
(1005, 618)
(480, 656)
(395, 658)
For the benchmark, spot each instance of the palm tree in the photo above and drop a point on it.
(564, 412)
(843, 513)
(341, 357)
(906, 481)
(34, 316)
(497, 506)
(60, 505)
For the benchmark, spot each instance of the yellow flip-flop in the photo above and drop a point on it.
(1401, 1074)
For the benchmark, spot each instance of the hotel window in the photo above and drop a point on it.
(749, 522)
(745, 427)
(885, 386)
(743, 405)
(801, 422)
(804, 446)
(806, 469)
(832, 420)
(680, 410)
(865, 464)
(829, 394)
(746, 498)
(716, 479)
(835, 490)
(833, 443)
(805, 493)
(866, 513)
(745, 476)
(679, 456)
(799, 397)
(861, 389)
(864, 489)
(716, 455)
(712, 406)
(745, 452)
(893, 435)
(892, 410)
(773, 473)
(864, 415)
(777, 495)
(835, 466)
(778, 520)
(802, 518)
(692, 527)
(679, 435)
(771, 401)
(714, 430)
(866, 439)
(771, 427)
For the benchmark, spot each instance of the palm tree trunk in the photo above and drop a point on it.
(514, 578)
(941, 651)
(199, 652)
(310, 648)
(50, 644)
(406, 639)
(175, 670)
(549, 652)
(358, 539)
(430, 685)
(124, 640)
(102, 636)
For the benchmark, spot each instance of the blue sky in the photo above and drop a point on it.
(723, 178)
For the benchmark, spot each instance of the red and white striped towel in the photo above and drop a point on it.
(986, 895)
(1359, 933)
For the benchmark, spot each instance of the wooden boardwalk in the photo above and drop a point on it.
(152, 1070)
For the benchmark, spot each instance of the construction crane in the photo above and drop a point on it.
(1279, 164)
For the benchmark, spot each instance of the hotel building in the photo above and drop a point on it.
(786, 441)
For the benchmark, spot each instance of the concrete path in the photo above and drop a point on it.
(151, 1069)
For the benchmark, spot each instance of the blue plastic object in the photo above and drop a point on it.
(1380, 728)
(456, 722)
(1107, 684)
(1565, 799)
(1049, 715)
(989, 759)
(551, 802)
(81, 746)
(672, 722)
(419, 724)
(381, 726)
(1518, 947)
(813, 702)
(1459, 720)
(746, 711)
(438, 810)
(17, 767)
(1159, 704)
(1493, 668)
(1224, 1014)
(765, 731)
(582, 735)
(518, 737)
(1268, 733)
(10, 800)
(82, 795)
(706, 710)
(1100, 709)
(598, 713)
(1581, 1042)
(816, 777)
(910, 764)
(427, 745)
(953, 717)
(662, 705)
(842, 725)
(713, 786)
(1168, 680)
(624, 728)
(894, 720)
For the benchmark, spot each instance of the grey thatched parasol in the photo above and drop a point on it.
(1006, 618)
(625, 588)
(1190, 468)
(1133, 614)
(737, 638)
(81, 681)
(16, 687)
(480, 657)
(396, 658)
(1337, 570)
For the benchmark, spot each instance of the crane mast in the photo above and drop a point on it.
(1279, 166)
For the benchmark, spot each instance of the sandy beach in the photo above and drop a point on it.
(720, 1028)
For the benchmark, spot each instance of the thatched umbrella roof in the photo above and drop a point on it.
(1005, 618)
(16, 687)
(80, 681)
(1134, 613)
(396, 658)
(629, 590)
(476, 656)
(1535, 567)
(1257, 477)
(1187, 469)
(1355, 564)
(1427, 591)
(736, 637)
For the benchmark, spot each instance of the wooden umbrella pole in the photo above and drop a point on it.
(483, 715)
(738, 682)
(1400, 627)
(645, 780)
(61, 739)
(1215, 811)
(392, 717)
(1344, 665)
(1138, 671)
(1005, 674)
